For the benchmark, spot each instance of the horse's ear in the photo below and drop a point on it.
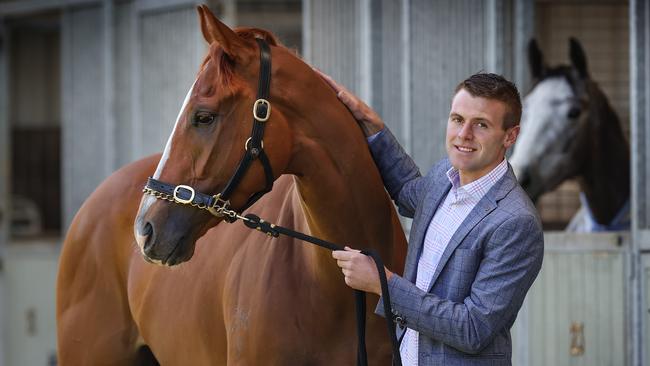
(578, 58)
(535, 59)
(215, 31)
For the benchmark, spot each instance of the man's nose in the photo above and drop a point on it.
(465, 131)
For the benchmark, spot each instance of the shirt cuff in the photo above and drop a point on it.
(372, 137)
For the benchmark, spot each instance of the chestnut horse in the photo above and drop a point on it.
(214, 293)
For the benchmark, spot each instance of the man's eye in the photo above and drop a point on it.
(482, 125)
(204, 118)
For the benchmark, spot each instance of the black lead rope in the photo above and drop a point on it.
(255, 222)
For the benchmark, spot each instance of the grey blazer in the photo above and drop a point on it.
(465, 317)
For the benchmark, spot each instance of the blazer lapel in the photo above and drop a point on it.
(486, 205)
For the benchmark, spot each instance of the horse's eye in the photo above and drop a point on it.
(574, 112)
(204, 118)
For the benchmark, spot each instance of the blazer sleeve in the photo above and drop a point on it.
(511, 261)
(401, 176)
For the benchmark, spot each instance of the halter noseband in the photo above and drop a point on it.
(219, 204)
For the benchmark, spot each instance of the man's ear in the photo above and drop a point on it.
(511, 136)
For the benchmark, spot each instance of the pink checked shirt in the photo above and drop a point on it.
(457, 205)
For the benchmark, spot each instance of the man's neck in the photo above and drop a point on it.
(469, 177)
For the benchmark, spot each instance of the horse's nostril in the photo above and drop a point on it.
(147, 230)
(144, 237)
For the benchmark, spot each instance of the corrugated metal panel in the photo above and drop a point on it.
(170, 55)
(123, 97)
(387, 58)
(335, 43)
(582, 281)
(640, 123)
(5, 169)
(447, 45)
(83, 101)
(645, 280)
(640, 110)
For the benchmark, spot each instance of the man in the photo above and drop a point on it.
(476, 242)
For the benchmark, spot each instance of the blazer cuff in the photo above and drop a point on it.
(405, 302)
(392, 284)
(372, 137)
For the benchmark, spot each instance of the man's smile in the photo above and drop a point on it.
(464, 148)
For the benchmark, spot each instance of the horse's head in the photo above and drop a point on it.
(554, 126)
(213, 137)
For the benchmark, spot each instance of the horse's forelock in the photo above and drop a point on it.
(565, 71)
(251, 33)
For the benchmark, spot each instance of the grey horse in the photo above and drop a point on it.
(569, 130)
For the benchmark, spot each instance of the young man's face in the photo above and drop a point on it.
(476, 140)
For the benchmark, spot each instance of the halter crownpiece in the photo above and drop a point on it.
(219, 204)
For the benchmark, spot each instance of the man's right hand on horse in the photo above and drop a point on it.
(368, 119)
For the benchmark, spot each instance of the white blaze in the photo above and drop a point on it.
(168, 146)
(543, 121)
(148, 200)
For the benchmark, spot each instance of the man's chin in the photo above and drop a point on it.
(460, 163)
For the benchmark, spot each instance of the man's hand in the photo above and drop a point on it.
(369, 121)
(359, 270)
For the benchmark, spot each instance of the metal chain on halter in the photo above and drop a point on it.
(218, 211)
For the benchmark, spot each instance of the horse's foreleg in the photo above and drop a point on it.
(94, 321)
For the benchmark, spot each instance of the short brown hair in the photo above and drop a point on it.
(493, 86)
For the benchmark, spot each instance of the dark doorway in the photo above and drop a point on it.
(35, 120)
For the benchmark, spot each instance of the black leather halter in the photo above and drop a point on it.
(219, 204)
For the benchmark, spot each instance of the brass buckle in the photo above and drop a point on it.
(181, 200)
(248, 142)
(268, 110)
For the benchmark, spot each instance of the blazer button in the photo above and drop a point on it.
(400, 321)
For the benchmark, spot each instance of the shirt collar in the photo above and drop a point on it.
(478, 188)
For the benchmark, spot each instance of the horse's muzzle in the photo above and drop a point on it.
(176, 251)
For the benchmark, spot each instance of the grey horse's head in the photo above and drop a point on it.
(550, 147)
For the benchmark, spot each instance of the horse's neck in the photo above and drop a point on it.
(606, 180)
(341, 189)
